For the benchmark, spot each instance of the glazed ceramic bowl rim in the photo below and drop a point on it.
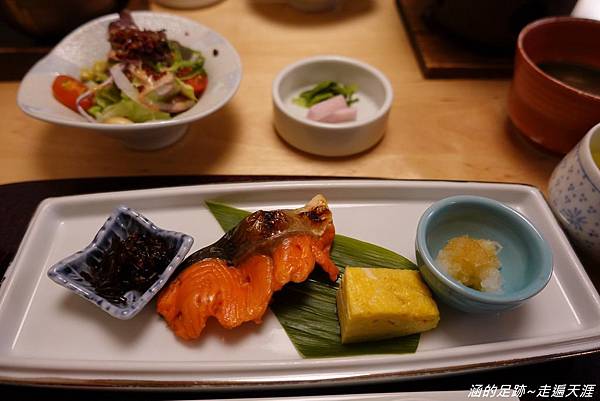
(532, 288)
(552, 21)
(155, 124)
(292, 69)
(585, 154)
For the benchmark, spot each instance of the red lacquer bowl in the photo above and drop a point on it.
(549, 112)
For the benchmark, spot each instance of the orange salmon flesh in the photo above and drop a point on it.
(235, 294)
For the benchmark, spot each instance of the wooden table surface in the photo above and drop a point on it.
(438, 129)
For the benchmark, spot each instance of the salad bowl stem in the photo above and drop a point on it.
(151, 139)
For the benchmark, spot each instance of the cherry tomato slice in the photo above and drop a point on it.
(67, 89)
(87, 102)
(198, 82)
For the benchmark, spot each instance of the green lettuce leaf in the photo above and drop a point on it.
(185, 89)
(185, 57)
(133, 111)
(106, 96)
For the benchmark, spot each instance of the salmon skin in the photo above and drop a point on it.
(234, 278)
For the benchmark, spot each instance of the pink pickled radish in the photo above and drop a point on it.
(340, 116)
(321, 110)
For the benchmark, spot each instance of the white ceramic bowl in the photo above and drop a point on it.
(89, 43)
(326, 139)
(574, 191)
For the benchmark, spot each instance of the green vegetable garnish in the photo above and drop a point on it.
(103, 98)
(107, 96)
(185, 89)
(185, 58)
(326, 90)
(131, 110)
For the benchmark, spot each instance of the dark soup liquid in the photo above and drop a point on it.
(582, 77)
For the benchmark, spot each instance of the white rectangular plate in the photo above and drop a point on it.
(50, 335)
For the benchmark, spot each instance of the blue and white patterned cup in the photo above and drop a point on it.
(574, 191)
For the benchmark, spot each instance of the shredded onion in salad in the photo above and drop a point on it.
(123, 82)
(81, 110)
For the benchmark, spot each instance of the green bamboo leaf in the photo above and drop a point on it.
(348, 251)
(227, 216)
(307, 311)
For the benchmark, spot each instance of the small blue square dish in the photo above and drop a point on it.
(125, 266)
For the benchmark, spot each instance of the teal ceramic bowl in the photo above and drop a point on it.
(526, 258)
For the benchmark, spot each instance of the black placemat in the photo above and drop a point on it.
(19, 201)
